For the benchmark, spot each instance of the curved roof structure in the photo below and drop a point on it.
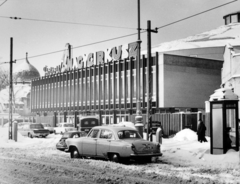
(25, 72)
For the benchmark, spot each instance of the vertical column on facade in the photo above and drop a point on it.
(157, 80)
(81, 89)
(78, 89)
(131, 82)
(99, 88)
(62, 92)
(50, 93)
(104, 87)
(86, 92)
(43, 93)
(143, 81)
(109, 84)
(69, 90)
(90, 88)
(119, 86)
(40, 95)
(94, 88)
(58, 94)
(124, 83)
(49, 83)
(114, 85)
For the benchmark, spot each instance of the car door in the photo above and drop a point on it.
(103, 143)
(89, 144)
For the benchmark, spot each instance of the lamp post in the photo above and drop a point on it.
(10, 90)
(138, 118)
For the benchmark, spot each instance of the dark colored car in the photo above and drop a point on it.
(86, 123)
(61, 145)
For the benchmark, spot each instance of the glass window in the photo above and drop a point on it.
(128, 134)
(93, 133)
(228, 20)
(234, 18)
(106, 134)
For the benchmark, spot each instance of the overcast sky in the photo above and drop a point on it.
(41, 37)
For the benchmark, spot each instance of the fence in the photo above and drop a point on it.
(175, 122)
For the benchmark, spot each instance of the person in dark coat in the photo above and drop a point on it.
(201, 131)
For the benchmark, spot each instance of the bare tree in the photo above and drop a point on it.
(4, 79)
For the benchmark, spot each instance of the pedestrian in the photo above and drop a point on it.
(159, 133)
(201, 131)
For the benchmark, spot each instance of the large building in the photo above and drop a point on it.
(184, 73)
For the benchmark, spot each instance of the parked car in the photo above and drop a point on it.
(61, 145)
(115, 143)
(64, 127)
(48, 127)
(87, 122)
(34, 130)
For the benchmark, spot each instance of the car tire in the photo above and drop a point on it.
(114, 157)
(74, 153)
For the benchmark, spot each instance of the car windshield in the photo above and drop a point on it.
(36, 126)
(128, 134)
(68, 125)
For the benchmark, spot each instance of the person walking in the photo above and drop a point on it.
(201, 131)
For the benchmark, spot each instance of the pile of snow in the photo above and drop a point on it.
(185, 135)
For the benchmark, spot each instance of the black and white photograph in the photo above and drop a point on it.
(119, 92)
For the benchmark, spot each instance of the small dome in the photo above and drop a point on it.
(25, 72)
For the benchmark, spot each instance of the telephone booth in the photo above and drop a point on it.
(224, 121)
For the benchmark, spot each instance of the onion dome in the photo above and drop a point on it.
(25, 72)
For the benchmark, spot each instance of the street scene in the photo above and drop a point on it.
(119, 92)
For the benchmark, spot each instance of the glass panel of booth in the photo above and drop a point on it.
(231, 125)
(217, 126)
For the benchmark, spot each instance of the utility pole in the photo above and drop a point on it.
(10, 90)
(149, 79)
(138, 118)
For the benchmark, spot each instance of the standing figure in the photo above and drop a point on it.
(201, 131)
(159, 133)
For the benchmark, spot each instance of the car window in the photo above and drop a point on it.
(128, 134)
(36, 126)
(93, 133)
(106, 134)
(68, 125)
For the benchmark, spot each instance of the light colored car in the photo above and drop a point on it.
(48, 127)
(64, 127)
(33, 130)
(115, 143)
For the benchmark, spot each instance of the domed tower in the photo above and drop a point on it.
(25, 72)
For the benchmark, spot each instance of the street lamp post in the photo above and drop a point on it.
(10, 90)
(138, 118)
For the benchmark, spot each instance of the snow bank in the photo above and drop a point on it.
(185, 135)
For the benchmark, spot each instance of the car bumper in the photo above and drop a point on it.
(40, 135)
(146, 155)
(61, 148)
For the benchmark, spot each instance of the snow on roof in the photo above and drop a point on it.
(214, 38)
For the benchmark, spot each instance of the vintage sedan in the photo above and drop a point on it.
(115, 143)
(61, 145)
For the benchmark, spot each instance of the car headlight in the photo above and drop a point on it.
(133, 148)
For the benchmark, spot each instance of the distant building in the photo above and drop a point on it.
(22, 76)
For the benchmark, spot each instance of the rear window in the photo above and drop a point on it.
(36, 126)
(67, 125)
(128, 134)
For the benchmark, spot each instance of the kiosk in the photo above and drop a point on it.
(224, 121)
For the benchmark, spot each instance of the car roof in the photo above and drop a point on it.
(113, 127)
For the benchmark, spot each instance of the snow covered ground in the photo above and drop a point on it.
(181, 152)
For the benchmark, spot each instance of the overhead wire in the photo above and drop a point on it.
(64, 22)
(124, 36)
(3, 2)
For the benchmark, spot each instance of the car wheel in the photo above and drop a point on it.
(114, 157)
(74, 153)
(30, 135)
